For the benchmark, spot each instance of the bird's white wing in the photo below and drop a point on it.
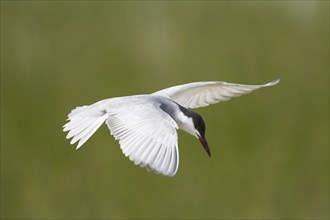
(200, 94)
(147, 135)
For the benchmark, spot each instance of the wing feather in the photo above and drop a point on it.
(154, 153)
(167, 161)
(150, 146)
(200, 94)
(144, 140)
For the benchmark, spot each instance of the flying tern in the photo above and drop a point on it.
(146, 125)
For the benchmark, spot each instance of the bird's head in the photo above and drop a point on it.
(199, 125)
(194, 124)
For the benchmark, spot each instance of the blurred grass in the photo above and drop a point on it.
(270, 148)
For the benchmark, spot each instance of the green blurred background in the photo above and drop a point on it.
(270, 148)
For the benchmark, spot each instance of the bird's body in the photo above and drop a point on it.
(146, 125)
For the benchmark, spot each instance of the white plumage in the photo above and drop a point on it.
(145, 125)
(201, 94)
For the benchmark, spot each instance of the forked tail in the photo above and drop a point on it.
(83, 122)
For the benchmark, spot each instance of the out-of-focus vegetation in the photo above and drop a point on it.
(270, 149)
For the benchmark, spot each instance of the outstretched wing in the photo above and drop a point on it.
(200, 94)
(147, 135)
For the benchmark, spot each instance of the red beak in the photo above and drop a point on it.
(205, 145)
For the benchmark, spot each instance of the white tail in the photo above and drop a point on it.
(83, 122)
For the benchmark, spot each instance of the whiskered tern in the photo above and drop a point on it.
(146, 125)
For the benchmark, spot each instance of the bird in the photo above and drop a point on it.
(146, 125)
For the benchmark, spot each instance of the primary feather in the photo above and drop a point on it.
(201, 94)
(146, 141)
